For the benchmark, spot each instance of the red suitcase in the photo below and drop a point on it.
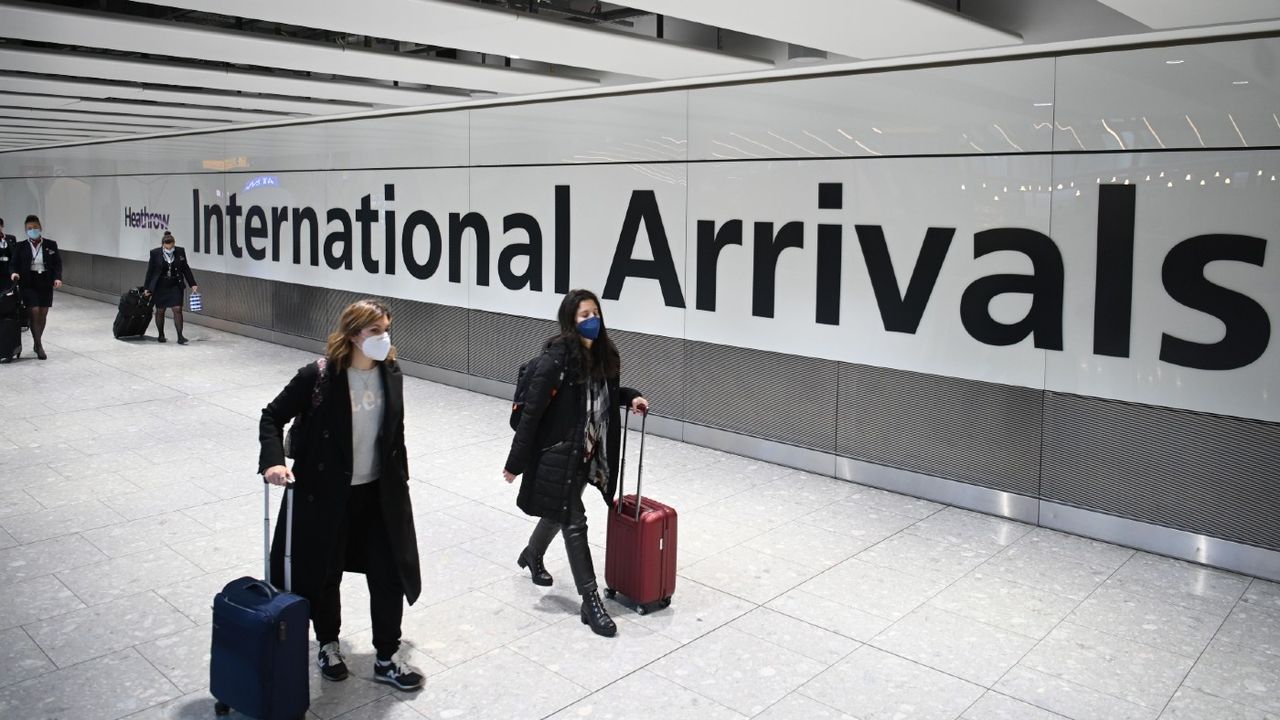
(640, 549)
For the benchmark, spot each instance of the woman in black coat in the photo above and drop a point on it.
(350, 493)
(167, 270)
(568, 438)
(36, 264)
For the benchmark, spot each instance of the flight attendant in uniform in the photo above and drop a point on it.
(167, 270)
(36, 264)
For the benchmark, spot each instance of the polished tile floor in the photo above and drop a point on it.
(128, 497)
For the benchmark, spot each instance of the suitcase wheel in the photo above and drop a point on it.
(643, 610)
(610, 593)
(666, 602)
(221, 708)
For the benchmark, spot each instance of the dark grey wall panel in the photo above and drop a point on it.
(654, 365)
(982, 433)
(430, 334)
(499, 344)
(308, 311)
(77, 269)
(787, 398)
(235, 298)
(1206, 474)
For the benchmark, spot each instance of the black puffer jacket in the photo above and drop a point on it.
(549, 442)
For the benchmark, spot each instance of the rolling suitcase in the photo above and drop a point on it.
(134, 315)
(11, 312)
(259, 658)
(640, 548)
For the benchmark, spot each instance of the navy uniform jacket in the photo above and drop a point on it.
(20, 258)
(156, 267)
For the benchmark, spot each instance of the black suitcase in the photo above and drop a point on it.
(258, 663)
(11, 312)
(134, 316)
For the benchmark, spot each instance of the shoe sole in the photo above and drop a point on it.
(345, 675)
(393, 683)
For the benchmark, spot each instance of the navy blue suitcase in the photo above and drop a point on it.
(259, 660)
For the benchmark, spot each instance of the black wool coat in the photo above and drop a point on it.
(322, 478)
(156, 263)
(550, 440)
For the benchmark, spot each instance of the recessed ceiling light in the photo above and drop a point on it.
(1174, 62)
(514, 57)
(1043, 104)
(1239, 82)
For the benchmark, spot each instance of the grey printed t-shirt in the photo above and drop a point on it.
(367, 400)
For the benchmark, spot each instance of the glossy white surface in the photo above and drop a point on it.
(989, 108)
(1214, 95)
(905, 197)
(1224, 195)
(627, 128)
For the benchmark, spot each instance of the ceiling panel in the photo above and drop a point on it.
(110, 68)
(88, 123)
(211, 115)
(857, 28)
(12, 108)
(216, 101)
(92, 29)
(1162, 14)
(478, 28)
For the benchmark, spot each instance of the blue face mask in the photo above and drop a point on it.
(590, 328)
(33, 233)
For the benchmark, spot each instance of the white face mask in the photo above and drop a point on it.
(377, 347)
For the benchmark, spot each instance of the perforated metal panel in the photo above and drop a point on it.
(235, 298)
(500, 344)
(430, 334)
(787, 398)
(1201, 473)
(654, 365)
(307, 311)
(115, 275)
(77, 269)
(977, 432)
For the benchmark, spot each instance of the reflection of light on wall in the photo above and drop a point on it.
(1237, 127)
(1153, 131)
(1195, 129)
(226, 163)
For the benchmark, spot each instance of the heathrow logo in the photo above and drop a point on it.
(144, 220)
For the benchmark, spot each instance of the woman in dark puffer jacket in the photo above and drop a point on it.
(568, 438)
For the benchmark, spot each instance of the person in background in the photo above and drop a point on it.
(7, 245)
(37, 266)
(351, 488)
(567, 439)
(167, 270)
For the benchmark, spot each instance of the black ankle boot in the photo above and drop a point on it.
(537, 571)
(594, 614)
(181, 340)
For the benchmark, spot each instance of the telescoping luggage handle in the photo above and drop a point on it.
(288, 533)
(622, 470)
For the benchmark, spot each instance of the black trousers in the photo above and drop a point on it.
(575, 539)
(364, 528)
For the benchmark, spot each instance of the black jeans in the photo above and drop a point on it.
(575, 539)
(364, 526)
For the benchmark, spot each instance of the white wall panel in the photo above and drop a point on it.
(1220, 95)
(598, 202)
(1226, 193)
(627, 128)
(993, 108)
(904, 198)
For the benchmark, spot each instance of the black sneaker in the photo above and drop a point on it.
(397, 674)
(331, 663)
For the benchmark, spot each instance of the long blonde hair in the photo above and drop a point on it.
(358, 316)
